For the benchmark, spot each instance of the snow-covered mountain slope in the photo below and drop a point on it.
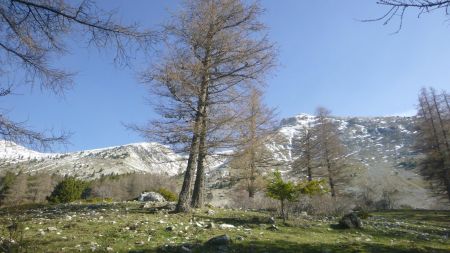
(381, 147)
(137, 157)
(15, 153)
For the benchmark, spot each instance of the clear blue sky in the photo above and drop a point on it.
(327, 57)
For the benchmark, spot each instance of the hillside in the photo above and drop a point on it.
(379, 147)
(88, 164)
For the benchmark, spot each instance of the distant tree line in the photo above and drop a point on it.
(18, 189)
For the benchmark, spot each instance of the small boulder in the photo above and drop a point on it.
(151, 197)
(350, 220)
(220, 240)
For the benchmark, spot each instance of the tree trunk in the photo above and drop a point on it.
(331, 182)
(251, 191)
(282, 211)
(199, 187)
(309, 171)
(183, 204)
(330, 177)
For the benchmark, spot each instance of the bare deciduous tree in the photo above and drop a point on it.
(433, 122)
(257, 129)
(305, 148)
(216, 51)
(330, 148)
(32, 32)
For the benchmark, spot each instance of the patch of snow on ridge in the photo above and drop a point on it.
(12, 151)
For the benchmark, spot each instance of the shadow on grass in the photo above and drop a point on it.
(281, 246)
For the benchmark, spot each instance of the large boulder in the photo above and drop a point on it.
(151, 197)
(350, 220)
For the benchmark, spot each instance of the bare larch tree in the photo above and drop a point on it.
(330, 148)
(32, 32)
(216, 50)
(305, 151)
(433, 123)
(256, 131)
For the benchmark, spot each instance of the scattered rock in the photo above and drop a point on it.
(210, 212)
(109, 249)
(49, 229)
(211, 225)
(226, 226)
(304, 213)
(170, 228)
(151, 197)
(272, 227)
(198, 224)
(350, 220)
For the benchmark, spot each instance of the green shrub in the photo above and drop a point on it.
(167, 194)
(68, 190)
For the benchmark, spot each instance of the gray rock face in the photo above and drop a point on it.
(151, 197)
(350, 220)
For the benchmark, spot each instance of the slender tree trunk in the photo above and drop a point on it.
(199, 187)
(252, 177)
(330, 176)
(308, 156)
(183, 204)
(282, 211)
(251, 190)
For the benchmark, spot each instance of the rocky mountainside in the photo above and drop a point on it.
(132, 158)
(381, 148)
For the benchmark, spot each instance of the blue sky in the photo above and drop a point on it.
(327, 57)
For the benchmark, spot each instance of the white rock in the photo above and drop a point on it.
(226, 226)
(151, 196)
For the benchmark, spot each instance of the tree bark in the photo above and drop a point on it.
(199, 187)
(183, 204)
